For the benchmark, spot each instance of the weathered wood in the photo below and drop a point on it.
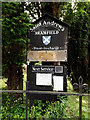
(60, 55)
(46, 56)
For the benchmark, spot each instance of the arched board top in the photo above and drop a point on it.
(52, 18)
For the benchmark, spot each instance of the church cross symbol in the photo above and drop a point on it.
(46, 39)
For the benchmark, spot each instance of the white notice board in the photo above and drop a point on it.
(44, 79)
(58, 83)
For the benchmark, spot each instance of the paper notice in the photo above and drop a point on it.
(58, 83)
(43, 79)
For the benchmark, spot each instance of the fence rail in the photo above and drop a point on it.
(43, 92)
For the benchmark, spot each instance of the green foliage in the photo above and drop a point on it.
(66, 107)
(16, 108)
(48, 109)
(39, 63)
(11, 106)
(37, 110)
(69, 83)
(14, 31)
(15, 23)
(56, 109)
(78, 18)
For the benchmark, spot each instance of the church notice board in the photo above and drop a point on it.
(48, 40)
(48, 44)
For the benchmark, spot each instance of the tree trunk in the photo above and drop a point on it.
(20, 77)
(12, 77)
(15, 81)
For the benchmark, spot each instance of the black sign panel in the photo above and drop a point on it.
(48, 33)
(46, 78)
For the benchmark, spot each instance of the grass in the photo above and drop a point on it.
(24, 81)
(2, 83)
(74, 105)
(73, 101)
